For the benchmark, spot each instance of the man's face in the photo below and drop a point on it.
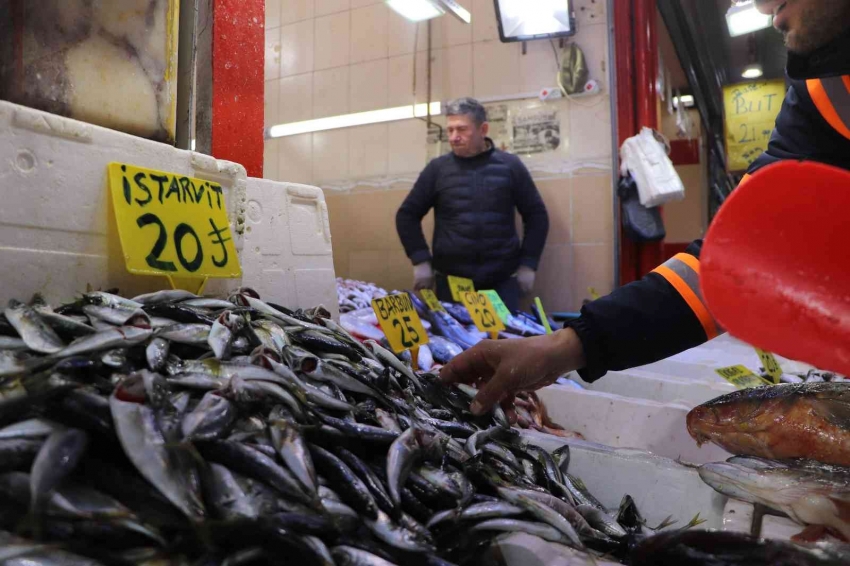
(807, 24)
(465, 136)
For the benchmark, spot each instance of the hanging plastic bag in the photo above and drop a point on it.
(644, 156)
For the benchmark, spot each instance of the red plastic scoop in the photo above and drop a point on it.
(775, 264)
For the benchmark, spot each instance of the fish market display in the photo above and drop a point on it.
(805, 420)
(355, 295)
(808, 492)
(176, 429)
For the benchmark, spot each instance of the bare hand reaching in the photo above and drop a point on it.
(503, 368)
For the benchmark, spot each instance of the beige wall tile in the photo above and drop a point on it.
(295, 159)
(408, 148)
(593, 266)
(685, 220)
(330, 92)
(590, 128)
(324, 7)
(273, 13)
(554, 278)
(438, 74)
(592, 208)
(455, 32)
(538, 67)
(338, 215)
(557, 195)
(270, 103)
(292, 11)
(272, 54)
(296, 48)
(361, 3)
(330, 155)
(369, 33)
(400, 80)
(369, 86)
(436, 35)
(484, 25)
(332, 40)
(295, 98)
(458, 79)
(593, 40)
(496, 68)
(365, 263)
(368, 148)
(401, 34)
(270, 159)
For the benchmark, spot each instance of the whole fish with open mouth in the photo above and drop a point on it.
(797, 420)
(34, 331)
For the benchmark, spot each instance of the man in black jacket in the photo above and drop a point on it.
(663, 313)
(474, 192)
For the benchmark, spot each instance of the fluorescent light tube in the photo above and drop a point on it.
(416, 10)
(351, 120)
(745, 18)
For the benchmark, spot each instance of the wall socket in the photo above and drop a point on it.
(589, 12)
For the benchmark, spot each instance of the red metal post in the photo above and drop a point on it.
(626, 120)
(237, 82)
(646, 95)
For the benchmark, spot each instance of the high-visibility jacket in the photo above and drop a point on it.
(663, 313)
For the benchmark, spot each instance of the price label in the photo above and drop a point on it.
(431, 300)
(545, 319)
(460, 285)
(741, 377)
(770, 365)
(400, 322)
(498, 304)
(482, 311)
(171, 224)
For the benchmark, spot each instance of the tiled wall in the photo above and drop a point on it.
(687, 220)
(330, 57)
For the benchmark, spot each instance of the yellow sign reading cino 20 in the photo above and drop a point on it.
(171, 224)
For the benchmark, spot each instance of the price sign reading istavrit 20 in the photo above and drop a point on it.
(431, 300)
(459, 285)
(400, 322)
(482, 311)
(171, 224)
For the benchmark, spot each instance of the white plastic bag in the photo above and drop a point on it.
(646, 159)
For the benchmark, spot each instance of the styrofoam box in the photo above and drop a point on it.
(58, 236)
(626, 422)
(641, 384)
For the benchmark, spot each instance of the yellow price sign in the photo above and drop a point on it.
(431, 300)
(770, 364)
(741, 377)
(171, 224)
(400, 322)
(460, 285)
(482, 311)
(498, 304)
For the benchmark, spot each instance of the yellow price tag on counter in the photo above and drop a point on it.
(460, 285)
(482, 311)
(770, 365)
(400, 322)
(171, 224)
(498, 304)
(741, 377)
(539, 304)
(431, 300)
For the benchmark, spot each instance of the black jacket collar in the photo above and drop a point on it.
(491, 147)
(831, 60)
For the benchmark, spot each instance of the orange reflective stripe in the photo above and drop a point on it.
(689, 260)
(691, 299)
(825, 106)
(846, 80)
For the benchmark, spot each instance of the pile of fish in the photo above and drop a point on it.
(792, 450)
(354, 295)
(176, 429)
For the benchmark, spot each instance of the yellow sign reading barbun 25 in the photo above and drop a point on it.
(171, 224)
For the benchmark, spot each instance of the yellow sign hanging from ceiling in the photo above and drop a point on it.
(750, 111)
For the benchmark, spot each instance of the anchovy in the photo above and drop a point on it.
(405, 451)
(209, 419)
(396, 536)
(60, 323)
(292, 448)
(352, 489)
(9, 343)
(207, 303)
(350, 556)
(601, 521)
(37, 335)
(156, 353)
(477, 512)
(476, 440)
(543, 513)
(121, 336)
(14, 362)
(18, 453)
(110, 300)
(193, 334)
(30, 428)
(115, 315)
(390, 359)
(369, 478)
(330, 374)
(542, 530)
(387, 421)
(55, 461)
(170, 296)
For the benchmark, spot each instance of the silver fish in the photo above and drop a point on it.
(193, 334)
(221, 334)
(542, 530)
(226, 496)
(110, 300)
(477, 512)
(248, 391)
(30, 428)
(601, 521)
(293, 450)
(387, 421)
(37, 335)
(404, 453)
(350, 556)
(115, 315)
(62, 323)
(207, 303)
(452, 482)
(390, 359)
(396, 536)
(543, 513)
(57, 458)
(167, 296)
(202, 381)
(209, 419)
(320, 550)
(121, 336)
(157, 353)
(8, 343)
(15, 362)
(328, 373)
(351, 340)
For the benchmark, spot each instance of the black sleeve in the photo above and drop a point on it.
(639, 323)
(535, 219)
(408, 219)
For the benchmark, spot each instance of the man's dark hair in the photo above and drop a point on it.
(467, 107)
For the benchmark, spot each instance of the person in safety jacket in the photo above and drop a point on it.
(663, 313)
(475, 192)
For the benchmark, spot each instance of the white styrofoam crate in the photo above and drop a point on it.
(58, 236)
(626, 422)
(641, 384)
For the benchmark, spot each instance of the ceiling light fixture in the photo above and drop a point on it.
(524, 20)
(752, 71)
(351, 120)
(686, 99)
(743, 17)
(416, 10)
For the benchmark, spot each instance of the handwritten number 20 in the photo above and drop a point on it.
(180, 233)
(414, 336)
(487, 318)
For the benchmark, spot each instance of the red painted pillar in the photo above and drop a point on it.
(238, 50)
(646, 95)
